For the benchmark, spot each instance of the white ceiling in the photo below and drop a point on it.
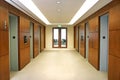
(50, 9)
(60, 13)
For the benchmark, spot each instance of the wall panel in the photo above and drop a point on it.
(114, 18)
(93, 57)
(24, 43)
(76, 38)
(4, 67)
(4, 40)
(36, 40)
(114, 68)
(93, 26)
(114, 43)
(24, 57)
(42, 38)
(4, 45)
(94, 42)
(21, 40)
(3, 18)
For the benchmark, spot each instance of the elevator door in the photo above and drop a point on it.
(104, 42)
(60, 37)
(13, 36)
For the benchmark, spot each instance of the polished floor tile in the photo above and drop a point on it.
(59, 65)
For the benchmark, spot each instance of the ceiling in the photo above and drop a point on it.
(59, 11)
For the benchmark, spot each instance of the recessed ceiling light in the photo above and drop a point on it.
(58, 10)
(58, 2)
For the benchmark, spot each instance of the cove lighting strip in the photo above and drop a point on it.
(83, 9)
(32, 7)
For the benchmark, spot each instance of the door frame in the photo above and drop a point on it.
(59, 37)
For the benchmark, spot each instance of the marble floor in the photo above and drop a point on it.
(59, 65)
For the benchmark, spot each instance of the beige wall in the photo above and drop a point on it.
(70, 36)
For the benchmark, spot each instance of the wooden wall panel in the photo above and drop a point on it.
(114, 20)
(42, 38)
(3, 18)
(114, 68)
(4, 41)
(114, 34)
(24, 57)
(4, 32)
(27, 25)
(76, 38)
(114, 43)
(36, 40)
(82, 40)
(24, 24)
(94, 42)
(4, 67)
(93, 57)
(21, 40)
(24, 48)
(93, 26)
(4, 45)
(93, 50)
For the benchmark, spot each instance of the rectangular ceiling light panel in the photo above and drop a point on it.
(88, 4)
(32, 7)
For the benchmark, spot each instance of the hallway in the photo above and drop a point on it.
(59, 65)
